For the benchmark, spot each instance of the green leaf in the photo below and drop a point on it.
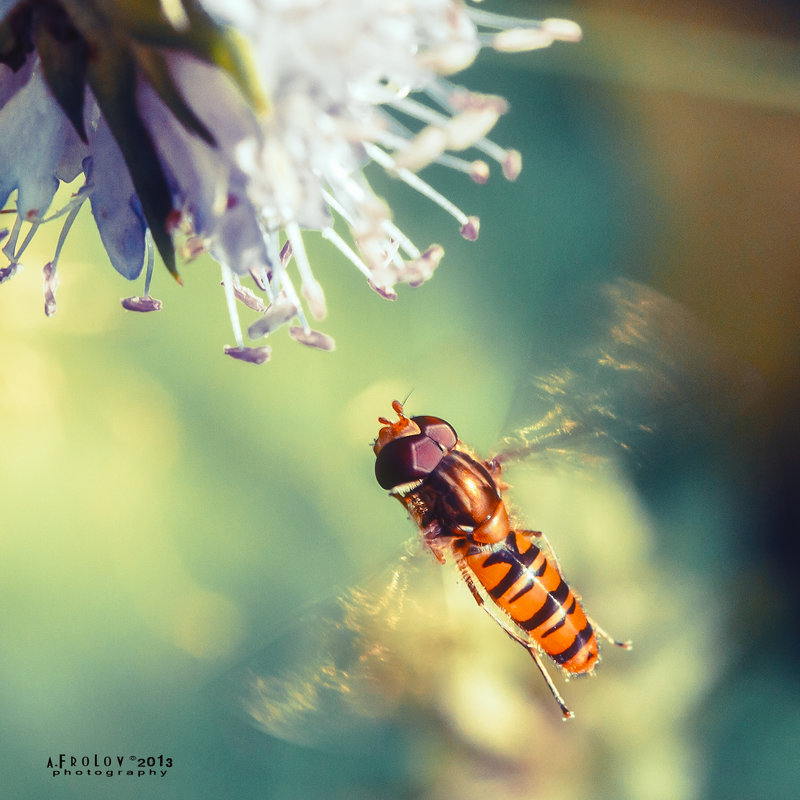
(15, 41)
(226, 49)
(141, 26)
(202, 37)
(155, 69)
(64, 61)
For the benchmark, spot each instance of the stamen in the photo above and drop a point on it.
(50, 270)
(149, 254)
(469, 225)
(521, 40)
(348, 185)
(310, 338)
(35, 223)
(251, 355)
(279, 313)
(510, 160)
(50, 284)
(368, 238)
(278, 261)
(373, 246)
(417, 110)
(477, 170)
(281, 282)
(230, 296)
(309, 286)
(393, 254)
(248, 297)
(78, 199)
(11, 243)
(65, 229)
(422, 268)
(193, 247)
(382, 253)
(145, 303)
(330, 235)
(405, 243)
(386, 292)
(336, 206)
(451, 98)
(561, 30)
(6, 273)
(261, 278)
(449, 57)
(490, 19)
(423, 149)
(464, 125)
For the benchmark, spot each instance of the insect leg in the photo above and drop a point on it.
(627, 645)
(429, 536)
(565, 712)
(514, 634)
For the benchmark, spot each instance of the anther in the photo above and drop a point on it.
(251, 355)
(50, 284)
(311, 338)
(279, 313)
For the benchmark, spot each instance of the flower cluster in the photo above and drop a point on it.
(231, 127)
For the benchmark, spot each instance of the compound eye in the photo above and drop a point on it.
(437, 429)
(406, 460)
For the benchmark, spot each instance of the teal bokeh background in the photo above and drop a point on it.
(165, 512)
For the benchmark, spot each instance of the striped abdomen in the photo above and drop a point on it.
(527, 585)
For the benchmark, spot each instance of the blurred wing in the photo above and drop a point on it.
(647, 364)
(347, 665)
(395, 646)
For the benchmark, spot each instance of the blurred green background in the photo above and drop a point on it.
(164, 511)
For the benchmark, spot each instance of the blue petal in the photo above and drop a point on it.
(11, 82)
(238, 240)
(206, 180)
(5, 7)
(115, 206)
(35, 134)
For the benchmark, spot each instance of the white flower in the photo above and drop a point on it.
(232, 127)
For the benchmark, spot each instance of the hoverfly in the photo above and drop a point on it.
(649, 359)
(456, 501)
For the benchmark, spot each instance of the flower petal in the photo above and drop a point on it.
(11, 82)
(207, 183)
(115, 206)
(35, 135)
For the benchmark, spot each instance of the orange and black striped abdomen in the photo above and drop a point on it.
(521, 580)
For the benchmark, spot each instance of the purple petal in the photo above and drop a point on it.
(207, 181)
(115, 206)
(11, 82)
(35, 136)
